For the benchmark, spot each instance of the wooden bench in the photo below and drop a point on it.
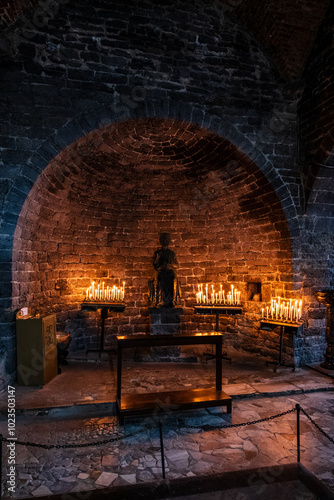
(154, 404)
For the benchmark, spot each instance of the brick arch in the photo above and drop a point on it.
(93, 121)
(97, 209)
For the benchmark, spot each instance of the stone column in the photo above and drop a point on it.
(327, 297)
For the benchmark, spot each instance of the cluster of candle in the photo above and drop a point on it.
(101, 292)
(232, 297)
(283, 310)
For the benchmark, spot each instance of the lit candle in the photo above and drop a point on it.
(224, 297)
(87, 294)
(262, 312)
(207, 296)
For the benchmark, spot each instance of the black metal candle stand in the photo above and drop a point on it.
(217, 310)
(285, 327)
(105, 307)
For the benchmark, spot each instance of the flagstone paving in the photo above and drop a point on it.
(94, 380)
(78, 407)
(193, 445)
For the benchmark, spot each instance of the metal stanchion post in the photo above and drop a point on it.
(162, 451)
(298, 432)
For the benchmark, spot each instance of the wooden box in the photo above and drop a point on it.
(36, 350)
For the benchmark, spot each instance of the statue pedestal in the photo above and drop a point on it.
(164, 321)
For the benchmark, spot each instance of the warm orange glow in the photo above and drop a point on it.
(212, 334)
(286, 310)
(217, 298)
(105, 293)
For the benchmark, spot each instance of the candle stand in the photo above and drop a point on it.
(285, 327)
(225, 310)
(105, 307)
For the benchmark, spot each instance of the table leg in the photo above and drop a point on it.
(119, 373)
(104, 315)
(281, 345)
(219, 366)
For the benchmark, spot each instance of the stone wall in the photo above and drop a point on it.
(316, 106)
(102, 221)
(84, 67)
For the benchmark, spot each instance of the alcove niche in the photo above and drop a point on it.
(96, 212)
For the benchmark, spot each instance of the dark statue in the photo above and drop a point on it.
(164, 288)
(327, 297)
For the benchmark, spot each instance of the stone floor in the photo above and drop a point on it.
(77, 407)
(88, 379)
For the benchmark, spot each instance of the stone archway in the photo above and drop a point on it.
(96, 211)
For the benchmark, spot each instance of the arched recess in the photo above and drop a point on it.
(71, 132)
(96, 211)
(88, 122)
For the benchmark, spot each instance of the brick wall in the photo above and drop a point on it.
(101, 222)
(11, 10)
(316, 106)
(86, 67)
(285, 29)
